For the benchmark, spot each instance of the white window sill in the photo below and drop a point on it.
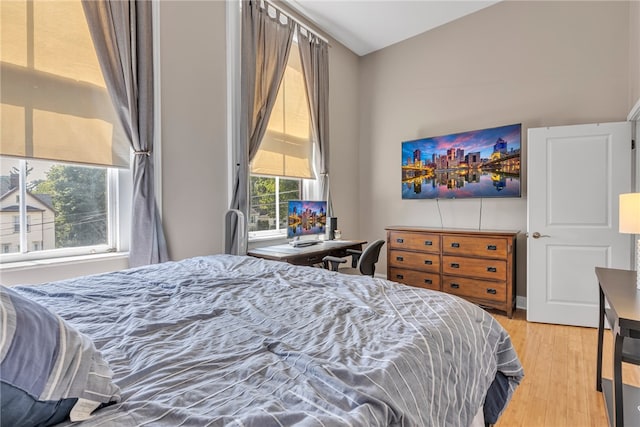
(267, 240)
(50, 269)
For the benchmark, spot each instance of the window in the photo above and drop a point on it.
(285, 157)
(16, 224)
(63, 151)
(65, 206)
(269, 202)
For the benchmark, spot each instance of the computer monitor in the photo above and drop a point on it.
(306, 217)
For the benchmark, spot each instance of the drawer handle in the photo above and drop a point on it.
(455, 286)
(492, 247)
(428, 262)
(455, 245)
(428, 243)
(399, 276)
(491, 291)
(428, 281)
(455, 265)
(492, 269)
(400, 240)
(399, 258)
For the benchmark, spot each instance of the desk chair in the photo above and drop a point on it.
(362, 262)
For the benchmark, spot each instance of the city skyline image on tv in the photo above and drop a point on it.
(479, 163)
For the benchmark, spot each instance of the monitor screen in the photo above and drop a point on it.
(306, 217)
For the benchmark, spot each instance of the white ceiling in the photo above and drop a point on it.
(365, 26)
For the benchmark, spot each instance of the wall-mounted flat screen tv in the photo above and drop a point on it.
(479, 163)
(306, 217)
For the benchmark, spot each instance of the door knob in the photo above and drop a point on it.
(537, 235)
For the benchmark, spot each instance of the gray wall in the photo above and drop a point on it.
(194, 140)
(535, 63)
(634, 55)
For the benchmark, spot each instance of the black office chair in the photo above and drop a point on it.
(362, 262)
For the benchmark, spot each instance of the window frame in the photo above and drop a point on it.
(277, 232)
(119, 189)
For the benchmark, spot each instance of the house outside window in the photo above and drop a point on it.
(284, 162)
(63, 153)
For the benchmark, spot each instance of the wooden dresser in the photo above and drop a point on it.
(476, 265)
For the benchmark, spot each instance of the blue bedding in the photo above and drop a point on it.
(229, 340)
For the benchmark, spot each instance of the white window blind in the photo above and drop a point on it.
(286, 149)
(54, 101)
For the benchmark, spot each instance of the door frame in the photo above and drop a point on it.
(634, 116)
(620, 256)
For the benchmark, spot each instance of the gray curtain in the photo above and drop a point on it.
(314, 55)
(121, 33)
(266, 42)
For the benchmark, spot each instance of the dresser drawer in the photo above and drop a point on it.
(491, 247)
(474, 267)
(415, 278)
(416, 260)
(473, 288)
(414, 241)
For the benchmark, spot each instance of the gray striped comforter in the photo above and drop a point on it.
(227, 340)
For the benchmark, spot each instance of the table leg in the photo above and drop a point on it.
(617, 382)
(600, 343)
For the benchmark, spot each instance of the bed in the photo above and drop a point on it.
(233, 340)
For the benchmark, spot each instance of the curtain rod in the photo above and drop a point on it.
(297, 21)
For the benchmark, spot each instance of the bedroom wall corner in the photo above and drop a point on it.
(193, 125)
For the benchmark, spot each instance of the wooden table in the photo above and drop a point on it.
(623, 315)
(307, 255)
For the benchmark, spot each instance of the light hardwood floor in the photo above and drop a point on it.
(559, 387)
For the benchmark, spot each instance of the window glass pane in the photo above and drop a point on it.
(262, 206)
(289, 189)
(265, 191)
(14, 38)
(62, 43)
(68, 205)
(9, 210)
(286, 148)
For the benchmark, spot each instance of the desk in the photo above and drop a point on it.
(623, 314)
(307, 255)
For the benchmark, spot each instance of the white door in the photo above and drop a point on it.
(575, 174)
